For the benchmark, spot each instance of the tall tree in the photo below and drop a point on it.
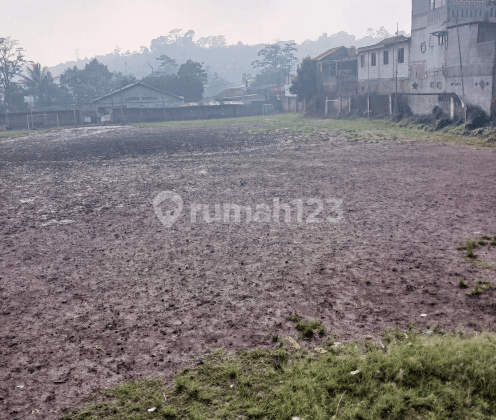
(97, 76)
(40, 84)
(11, 60)
(305, 84)
(188, 82)
(120, 80)
(168, 65)
(193, 69)
(89, 83)
(212, 42)
(275, 57)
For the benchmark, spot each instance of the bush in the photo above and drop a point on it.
(477, 117)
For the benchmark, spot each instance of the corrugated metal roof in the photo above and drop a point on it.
(384, 42)
(325, 54)
(135, 84)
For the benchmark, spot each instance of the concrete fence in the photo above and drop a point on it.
(89, 115)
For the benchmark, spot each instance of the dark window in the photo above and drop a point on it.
(440, 39)
(133, 98)
(423, 47)
(386, 57)
(487, 32)
(401, 55)
(150, 98)
(433, 84)
(439, 85)
(362, 61)
(373, 59)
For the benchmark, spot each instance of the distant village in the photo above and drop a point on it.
(448, 62)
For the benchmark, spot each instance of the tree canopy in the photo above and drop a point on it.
(275, 57)
(88, 83)
(188, 82)
(305, 84)
(40, 84)
(11, 61)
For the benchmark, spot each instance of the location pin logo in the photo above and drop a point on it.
(170, 217)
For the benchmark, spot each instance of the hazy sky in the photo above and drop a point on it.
(51, 31)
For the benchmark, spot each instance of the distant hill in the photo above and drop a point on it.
(229, 61)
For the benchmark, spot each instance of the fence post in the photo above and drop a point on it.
(75, 121)
(390, 104)
(349, 104)
(368, 106)
(304, 105)
(326, 106)
(27, 116)
(339, 106)
(452, 107)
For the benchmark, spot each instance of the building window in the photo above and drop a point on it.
(362, 61)
(150, 98)
(401, 55)
(132, 98)
(423, 47)
(431, 40)
(373, 59)
(433, 84)
(440, 39)
(386, 57)
(432, 4)
(439, 85)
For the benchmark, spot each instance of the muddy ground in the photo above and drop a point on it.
(95, 290)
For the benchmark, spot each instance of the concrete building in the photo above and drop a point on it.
(337, 71)
(383, 67)
(452, 54)
(138, 95)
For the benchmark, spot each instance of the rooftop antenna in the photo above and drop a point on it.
(151, 67)
(77, 54)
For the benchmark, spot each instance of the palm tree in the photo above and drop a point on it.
(39, 83)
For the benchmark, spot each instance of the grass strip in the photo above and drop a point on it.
(370, 130)
(412, 375)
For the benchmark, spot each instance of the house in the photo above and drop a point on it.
(383, 68)
(337, 71)
(138, 95)
(453, 54)
(230, 92)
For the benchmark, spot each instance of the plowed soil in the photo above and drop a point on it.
(95, 290)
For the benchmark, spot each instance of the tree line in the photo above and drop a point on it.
(76, 87)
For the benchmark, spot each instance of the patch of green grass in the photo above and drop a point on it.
(462, 284)
(20, 133)
(480, 286)
(469, 246)
(307, 328)
(423, 376)
(362, 128)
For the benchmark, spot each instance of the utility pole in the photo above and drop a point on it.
(460, 56)
(396, 73)
(396, 77)
(77, 55)
(125, 65)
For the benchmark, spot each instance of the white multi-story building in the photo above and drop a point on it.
(383, 67)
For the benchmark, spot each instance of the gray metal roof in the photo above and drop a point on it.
(132, 85)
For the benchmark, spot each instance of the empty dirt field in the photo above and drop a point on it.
(96, 290)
